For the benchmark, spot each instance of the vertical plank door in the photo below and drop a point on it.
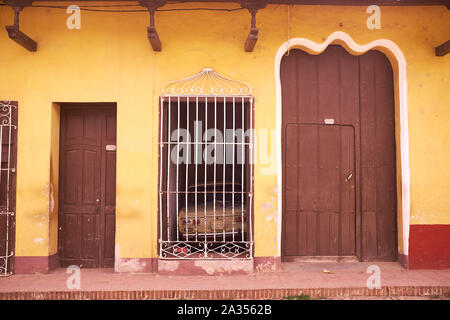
(87, 186)
(319, 190)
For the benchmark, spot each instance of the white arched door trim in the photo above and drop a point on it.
(395, 55)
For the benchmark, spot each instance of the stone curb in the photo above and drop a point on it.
(251, 294)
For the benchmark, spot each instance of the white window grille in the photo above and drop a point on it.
(8, 138)
(205, 169)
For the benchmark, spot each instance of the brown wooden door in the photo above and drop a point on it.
(319, 190)
(87, 185)
(325, 97)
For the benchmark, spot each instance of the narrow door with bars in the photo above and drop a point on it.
(206, 173)
(87, 185)
(8, 161)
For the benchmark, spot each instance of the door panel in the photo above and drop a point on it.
(343, 91)
(87, 183)
(378, 158)
(319, 202)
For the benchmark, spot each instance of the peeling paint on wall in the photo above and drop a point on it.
(48, 193)
(274, 191)
(167, 265)
(267, 206)
(228, 266)
(39, 241)
(271, 217)
(131, 265)
(51, 203)
(266, 267)
(271, 214)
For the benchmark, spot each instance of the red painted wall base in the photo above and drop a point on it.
(429, 246)
(40, 264)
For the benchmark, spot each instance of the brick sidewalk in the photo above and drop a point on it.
(345, 280)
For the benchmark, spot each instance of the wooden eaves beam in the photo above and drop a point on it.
(252, 6)
(443, 49)
(14, 32)
(152, 34)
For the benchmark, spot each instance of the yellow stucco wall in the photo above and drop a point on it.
(110, 60)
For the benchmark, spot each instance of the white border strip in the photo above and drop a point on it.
(340, 37)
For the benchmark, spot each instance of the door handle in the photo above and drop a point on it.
(97, 204)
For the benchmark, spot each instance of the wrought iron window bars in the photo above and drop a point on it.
(7, 213)
(205, 204)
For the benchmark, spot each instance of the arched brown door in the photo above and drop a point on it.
(339, 178)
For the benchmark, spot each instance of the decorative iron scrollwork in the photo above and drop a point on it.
(5, 113)
(206, 250)
(207, 83)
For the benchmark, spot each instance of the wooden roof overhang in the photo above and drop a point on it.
(252, 6)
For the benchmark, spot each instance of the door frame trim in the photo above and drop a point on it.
(398, 62)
